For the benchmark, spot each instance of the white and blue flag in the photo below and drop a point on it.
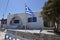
(28, 10)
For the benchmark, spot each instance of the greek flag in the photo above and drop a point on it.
(28, 10)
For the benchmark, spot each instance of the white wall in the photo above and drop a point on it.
(21, 15)
(24, 17)
(38, 24)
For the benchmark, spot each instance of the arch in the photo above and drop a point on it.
(15, 18)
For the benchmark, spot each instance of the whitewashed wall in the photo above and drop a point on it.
(38, 24)
(23, 19)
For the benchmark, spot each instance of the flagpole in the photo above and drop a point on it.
(29, 12)
(26, 17)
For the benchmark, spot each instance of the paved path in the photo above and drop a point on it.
(34, 31)
(2, 35)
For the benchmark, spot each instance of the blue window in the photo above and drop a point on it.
(29, 19)
(16, 21)
(32, 19)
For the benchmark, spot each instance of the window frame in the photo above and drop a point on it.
(17, 21)
(31, 19)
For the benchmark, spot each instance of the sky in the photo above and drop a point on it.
(18, 6)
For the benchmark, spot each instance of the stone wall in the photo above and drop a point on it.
(34, 36)
(48, 28)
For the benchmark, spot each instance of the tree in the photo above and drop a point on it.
(51, 12)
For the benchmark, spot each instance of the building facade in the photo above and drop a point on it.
(3, 23)
(23, 20)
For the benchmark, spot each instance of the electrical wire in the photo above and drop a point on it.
(6, 8)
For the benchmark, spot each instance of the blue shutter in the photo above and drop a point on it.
(34, 19)
(29, 19)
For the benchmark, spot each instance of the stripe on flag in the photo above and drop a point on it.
(28, 10)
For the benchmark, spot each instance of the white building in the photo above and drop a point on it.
(22, 20)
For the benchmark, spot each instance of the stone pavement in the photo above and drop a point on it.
(2, 35)
(36, 34)
(44, 32)
(34, 31)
